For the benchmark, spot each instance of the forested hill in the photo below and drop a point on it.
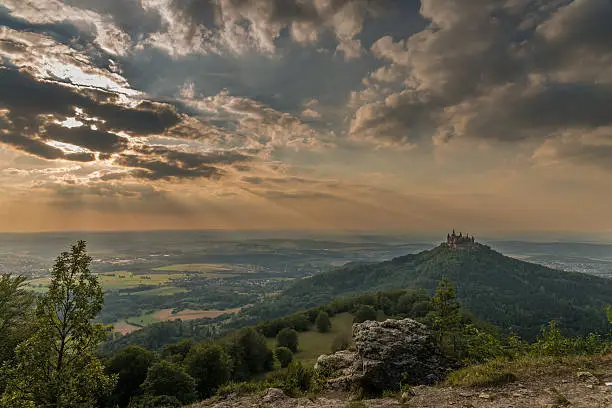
(514, 295)
(507, 292)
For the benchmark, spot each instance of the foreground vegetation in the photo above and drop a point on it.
(49, 355)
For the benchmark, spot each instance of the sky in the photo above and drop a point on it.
(491, 116)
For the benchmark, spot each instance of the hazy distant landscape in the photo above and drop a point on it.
(156, 276)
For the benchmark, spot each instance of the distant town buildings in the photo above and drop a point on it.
(453, 240)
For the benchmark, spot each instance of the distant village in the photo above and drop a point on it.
(455, 240)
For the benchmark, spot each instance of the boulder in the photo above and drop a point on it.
(389, 354)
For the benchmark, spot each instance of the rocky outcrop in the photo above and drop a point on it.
(388, 354)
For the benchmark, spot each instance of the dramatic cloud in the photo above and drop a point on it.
(203, 26)
(321, 113)
(506, 70)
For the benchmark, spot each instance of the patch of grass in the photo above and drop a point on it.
(312, 343)
(503, 371)
(144, 319)
(355, 404)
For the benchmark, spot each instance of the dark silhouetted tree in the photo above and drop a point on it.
(288, 338)
(322, 322)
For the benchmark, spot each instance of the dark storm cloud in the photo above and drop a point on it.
(86, 137)
(157, 169)
(493, 69)
(26, 98)
(31, 146)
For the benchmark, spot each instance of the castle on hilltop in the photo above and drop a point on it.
(453, 240)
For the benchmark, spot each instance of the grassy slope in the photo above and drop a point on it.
(312, 343)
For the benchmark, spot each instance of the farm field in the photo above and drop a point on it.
(136, 322)
(189, 314)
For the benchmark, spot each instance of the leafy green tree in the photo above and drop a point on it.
(210, 366)
(131, 366)
(249, 353)
(609, 313)
(288, 338)
(284, 356)
(176, 352)
(57, 366)
(16, 315)
(364, 313)
(322, 322)
(166, 378)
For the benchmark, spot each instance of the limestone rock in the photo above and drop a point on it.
(389, 354)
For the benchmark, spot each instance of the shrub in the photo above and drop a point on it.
(322, 322)
(288, 338)
(284, 356)
(241, 388)
(158, 401)
(298, 379)
(364, 313)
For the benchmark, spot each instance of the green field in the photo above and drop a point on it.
(312, 343)
(162, 276)
(144, 319)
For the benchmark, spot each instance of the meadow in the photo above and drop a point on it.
(312, 344)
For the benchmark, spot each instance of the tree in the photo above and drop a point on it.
(364, 313)
(210, 366)
(57, 366)
(284, 356)
(447, 321)
(131, 366)
(16, 312)
(288, 338)
(166, 378)
(176, 352)
(249, 353)
(322, 322)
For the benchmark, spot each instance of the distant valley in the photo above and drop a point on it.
(150, 277)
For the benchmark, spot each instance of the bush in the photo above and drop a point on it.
(322, 322)
(551, 342)
(241, 388)
(298, 379)
(365, 313)
(159, 401)
(284, 356)
(288, 338)
(340, 342)
(165, 378)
